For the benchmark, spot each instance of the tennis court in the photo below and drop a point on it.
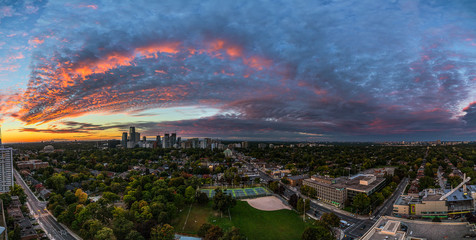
(240, 192)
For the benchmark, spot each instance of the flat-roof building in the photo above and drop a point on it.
(338, 190)
(387, 228)
(432, 202)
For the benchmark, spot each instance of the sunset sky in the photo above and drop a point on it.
(328, 70)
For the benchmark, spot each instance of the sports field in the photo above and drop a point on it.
(240, 192)
(254, 223)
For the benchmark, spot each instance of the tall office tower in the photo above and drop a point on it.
(173, 139)
(6, 167)
(166, 141)
(124, 139)
(132, 134)
(137, 138)
(157, 140)
(144, 139)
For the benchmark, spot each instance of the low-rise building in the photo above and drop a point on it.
(14, 210)
(327, 190)
(338, 190)
(32, 164)
(297, 180)
(387, 228)
(431, 203)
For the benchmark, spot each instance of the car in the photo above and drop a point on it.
(363, 227)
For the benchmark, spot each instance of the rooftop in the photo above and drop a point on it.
(298, 177)
(391, 228)
(459, 195)
(354, 184)
(404, 200)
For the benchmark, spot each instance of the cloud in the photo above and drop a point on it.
(274, 68)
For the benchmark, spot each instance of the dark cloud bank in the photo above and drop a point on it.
(330, 70)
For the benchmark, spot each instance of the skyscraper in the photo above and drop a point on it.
(157, 140)
(173, 139)
(6, 167)
(124, 139)
(166, 141)
(132, 134)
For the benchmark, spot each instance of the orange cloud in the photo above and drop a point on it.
(45, 99)
(36, 41)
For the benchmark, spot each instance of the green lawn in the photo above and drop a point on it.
(255, 224)
(198, 216)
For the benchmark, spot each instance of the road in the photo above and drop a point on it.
(53, 229)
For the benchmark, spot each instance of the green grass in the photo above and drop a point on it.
(198, 216)
(254, 223)
(267, 225)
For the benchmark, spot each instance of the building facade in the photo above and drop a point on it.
(327, 190)
(338, 191)
(124, 140)
(6, 169)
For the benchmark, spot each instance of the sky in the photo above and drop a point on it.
(304, 70)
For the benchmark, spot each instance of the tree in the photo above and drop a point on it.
(82, 196)
(57, 182)
(6, 198)
(134, 235)
(214, 233)
(90, 228)
(330, 219)
(361, 202)
(164, 232)
(202, 231)
(69, 197)
(105, 234)
(233, 234)
(303, 203)
(110, 197)
(121, 226)
(426, 182)
(222, 201)
(17, 190)
(202, 198)
(293, 200)
(317, 233)
(189, 194)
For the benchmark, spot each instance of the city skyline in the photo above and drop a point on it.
(261, 70)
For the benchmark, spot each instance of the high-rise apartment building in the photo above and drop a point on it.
(166, 141)
(158, 142)
(132, 134)
(6, 167)
(173, 139)
(124, 140)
